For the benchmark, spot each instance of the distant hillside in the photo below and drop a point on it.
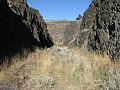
(63, 31)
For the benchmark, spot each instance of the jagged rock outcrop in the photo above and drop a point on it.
(100, 28)
(21, 27)
(79, 17)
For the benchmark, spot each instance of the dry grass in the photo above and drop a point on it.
(61, 68)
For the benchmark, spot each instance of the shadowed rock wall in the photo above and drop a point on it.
(21, 27)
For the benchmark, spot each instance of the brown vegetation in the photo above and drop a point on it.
(61, 68)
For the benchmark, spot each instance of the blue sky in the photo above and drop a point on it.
(60, 9)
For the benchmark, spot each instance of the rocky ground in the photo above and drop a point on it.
(61, 68)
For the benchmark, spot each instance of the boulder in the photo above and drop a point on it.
(21, 27)
(100, 28)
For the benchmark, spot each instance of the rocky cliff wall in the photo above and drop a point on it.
(100, 28)
(21, 27)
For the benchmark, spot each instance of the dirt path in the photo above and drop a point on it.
(59, 68)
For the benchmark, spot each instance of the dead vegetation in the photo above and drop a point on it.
(61, 68)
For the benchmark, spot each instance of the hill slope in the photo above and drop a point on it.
(63, 31)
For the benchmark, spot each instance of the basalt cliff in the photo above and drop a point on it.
(100, 28)
(21, 27)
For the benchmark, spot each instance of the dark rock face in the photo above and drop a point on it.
(21, 27)
(103, 21)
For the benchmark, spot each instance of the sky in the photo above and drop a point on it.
(60, 9)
